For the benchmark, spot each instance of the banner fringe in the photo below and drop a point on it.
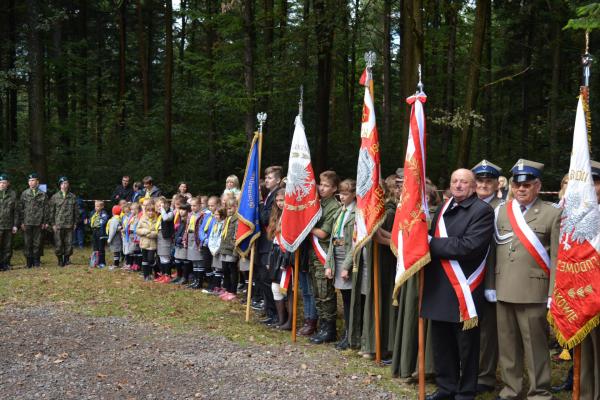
(416, 267)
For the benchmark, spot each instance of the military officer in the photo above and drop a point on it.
(486, 179)
(63, 217)
(8, 221)
(33, 216)
(590, 347)
(527, 233)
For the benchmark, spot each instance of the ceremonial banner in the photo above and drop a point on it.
(575, 306)
(248, 229)
(409, 233)
(369, 190)
(302, 208)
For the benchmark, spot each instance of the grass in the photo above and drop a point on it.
(103, 293)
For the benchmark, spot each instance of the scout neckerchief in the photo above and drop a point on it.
(463, 286)
(126, 224)
(339, 223)
(176, 219)
(158, 222)
(225, 228)
(94, 219)
(192, 222)
(527, 237)
(107, 229)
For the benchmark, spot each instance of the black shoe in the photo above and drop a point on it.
(437, 395)
(481, 388)
(257, 305)
(195, 284)
(36, 262)
(61, 262)
(342, 344)
(326, 335)
(177, 280)
(29, 262)
(268, 320)
(67, 260)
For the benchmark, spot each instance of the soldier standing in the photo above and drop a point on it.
(64, 217)
(486, 179)
(8, 221)
(33, 216)
(527, 237)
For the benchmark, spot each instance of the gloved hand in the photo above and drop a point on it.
(549, 302)
(490, 295)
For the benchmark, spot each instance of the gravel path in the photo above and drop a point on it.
(49, 353)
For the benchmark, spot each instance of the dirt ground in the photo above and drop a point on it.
(49, 353)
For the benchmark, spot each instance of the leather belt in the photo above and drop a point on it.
(339, 242)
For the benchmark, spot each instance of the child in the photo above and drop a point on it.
(214, 242)
(147, 231)
(229, 257)
(127, 249)
(193, 243)
(339, 257)
(204, 231)
(279, 262)
(98, 222)
(133, 241)
(166, 229)
(232, 186)
(325, 297)
(180, 226)
(115, 242)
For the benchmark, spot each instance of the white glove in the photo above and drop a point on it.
(549, 302)
(490, 295)
(428, 238)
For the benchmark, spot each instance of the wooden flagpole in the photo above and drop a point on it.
(421, 356)
(250, 277)
(295, 301)
(376, 302)
(576, 372)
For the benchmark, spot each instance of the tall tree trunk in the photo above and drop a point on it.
(210, 43)
(525, 78)
(168, 142)
(324, 29)
(60, 84)
(387, 68)
(554, 93)
(182, 33)
(305, 37)
(464, 147)
(283, 19)
(83, 100)
(122, 21)
(11, 92)
(249, 44)
(352, 67)
(269, 41)
(35, 57)
(488, 99)
(451, 16)
(143, 56)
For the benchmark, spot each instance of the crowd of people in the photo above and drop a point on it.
(191, 241)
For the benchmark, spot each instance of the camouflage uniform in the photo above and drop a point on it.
(8, 220)
(64, 215)
(33, 213)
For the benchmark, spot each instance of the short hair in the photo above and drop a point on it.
(150, 203)
(221, 212)
(185, 207)
(195, 199)
(234, 179)
(215, 198)
(203, 198)
(125, 176)
(347, 185)
(99, 202)
(148, 179)
(276, 170)
(137, 184)
(331, 176)
(231, 202)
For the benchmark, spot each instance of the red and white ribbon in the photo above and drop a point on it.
(319, 251)
(463, 286)
(527, 237)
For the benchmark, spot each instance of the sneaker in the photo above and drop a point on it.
(166, 279)
(158, 278)
(205, 291)
(101, 266)
(126, 268)
(223, 295)
(230, 297)
(112, 268)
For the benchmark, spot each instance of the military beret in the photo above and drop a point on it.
(526, 170)
(595, 169)
(3, 177)
(63, 179)
(486, 169)
(33, 175)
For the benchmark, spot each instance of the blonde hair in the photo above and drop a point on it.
(389, 186)
(234, 179)
(347, 185)
(563, 186)
(231, 202)
(99, 202)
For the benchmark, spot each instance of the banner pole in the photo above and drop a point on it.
(295, 301)
(421, 356)
(376, 302)
(250, 277)
(576, 372)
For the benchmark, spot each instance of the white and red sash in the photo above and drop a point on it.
(319, 251)
(463, 286)
(527, 237)
(286, 278)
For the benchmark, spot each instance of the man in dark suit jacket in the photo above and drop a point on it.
(273, 176)
(461, 235)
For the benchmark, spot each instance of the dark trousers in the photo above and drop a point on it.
(99, 245)
(6, 237)
(148, 261)
(63, 241)
(263, 283)
(32, 238)
(456, 359)
(230, 276)
(346, 299)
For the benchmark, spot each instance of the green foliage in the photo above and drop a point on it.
(589, 18)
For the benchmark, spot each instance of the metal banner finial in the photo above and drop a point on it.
(301, 101)
(370, 58)
(420, 83)
(261, 117)
(586, 62)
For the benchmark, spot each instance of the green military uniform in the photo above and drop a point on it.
(488, 342)
(522, 290)
(8, 223)
(324, 292)
(33, 214)
(63, 218)
(590, 347)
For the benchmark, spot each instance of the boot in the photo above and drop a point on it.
(281, 317)
(66, 260)
(326, 335)
(287, 325)
(61, 262)
(343, 343)
(29, 262)
(310, 325)
(196, 280)
(36, 261)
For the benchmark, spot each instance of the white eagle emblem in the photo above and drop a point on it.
(364, 177)
(581, 219)
(299, 183)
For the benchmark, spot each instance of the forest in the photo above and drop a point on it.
(97, 89)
